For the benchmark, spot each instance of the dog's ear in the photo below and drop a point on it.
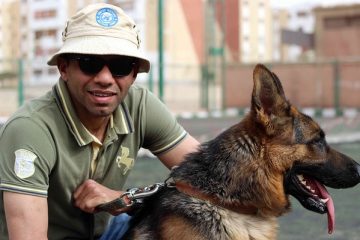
(268, 93)
(268, 98)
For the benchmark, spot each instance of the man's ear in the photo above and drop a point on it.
(62, 65)
(136, 70)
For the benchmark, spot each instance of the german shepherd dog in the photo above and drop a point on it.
(236, 185)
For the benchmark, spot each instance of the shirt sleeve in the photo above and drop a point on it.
(26, 157)
(162, 131)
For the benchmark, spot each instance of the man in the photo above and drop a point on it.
(71, 150)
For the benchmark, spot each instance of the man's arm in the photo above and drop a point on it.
(26, 216)
(176, 155)
(90, 193)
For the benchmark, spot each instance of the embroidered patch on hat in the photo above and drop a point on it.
(106, 17)
(24, 163)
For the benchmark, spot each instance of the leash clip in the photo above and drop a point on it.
(136, 195)
(132, 196)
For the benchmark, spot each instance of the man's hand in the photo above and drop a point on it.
(90, 194)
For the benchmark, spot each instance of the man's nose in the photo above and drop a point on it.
(105, 76)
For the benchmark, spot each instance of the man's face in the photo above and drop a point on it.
(95, 90)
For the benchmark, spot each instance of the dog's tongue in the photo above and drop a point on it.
(330, 206)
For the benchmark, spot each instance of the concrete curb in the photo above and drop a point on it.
(343, 138)
(233, 112)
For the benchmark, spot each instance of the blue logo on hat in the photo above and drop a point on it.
(106, 17)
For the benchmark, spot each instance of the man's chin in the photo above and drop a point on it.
(102, 112)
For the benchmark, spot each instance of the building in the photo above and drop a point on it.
(200, 37)
(10, 22)
(42, 35)
(294, 27)
(337, 32)
(241, 29)
(280, 22)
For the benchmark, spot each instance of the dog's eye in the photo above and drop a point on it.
(318, 140)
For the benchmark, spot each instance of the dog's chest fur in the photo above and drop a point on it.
(248, 227)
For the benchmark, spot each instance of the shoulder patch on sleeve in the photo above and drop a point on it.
(24, 163)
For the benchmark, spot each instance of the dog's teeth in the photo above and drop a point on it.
(300, 177)
(324, 200)
(312, 190)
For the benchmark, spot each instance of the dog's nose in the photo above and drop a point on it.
(358, 172)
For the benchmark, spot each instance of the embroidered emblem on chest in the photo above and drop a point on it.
(24, 163)
(124, 161)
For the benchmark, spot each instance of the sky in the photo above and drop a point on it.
(289, 3)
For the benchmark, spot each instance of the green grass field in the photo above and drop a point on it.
(299, 224)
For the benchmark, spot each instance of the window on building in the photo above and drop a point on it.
(245, 12)
(37, 72)
(45, 14)
(342, 22)
(261, 29)
(302, 14)
(245, 28)
(23, 20)
(38, 34)
(45, 33)
(356, 21)
(52, 71)
(261, 13)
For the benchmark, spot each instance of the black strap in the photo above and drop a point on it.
(113, 205)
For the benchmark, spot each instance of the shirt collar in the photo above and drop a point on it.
(120, 123)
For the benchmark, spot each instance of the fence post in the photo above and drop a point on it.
(161, 49)
(223, 58)
(151, 80)
(337, 88)
(20, 82)
(204, 89)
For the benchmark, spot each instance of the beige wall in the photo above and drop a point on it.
(10, 25)
(305, 84)
(179, 47)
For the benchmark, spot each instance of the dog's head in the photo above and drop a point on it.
(274, 152)
(296, 148)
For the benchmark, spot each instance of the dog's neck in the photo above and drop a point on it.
(186, 188)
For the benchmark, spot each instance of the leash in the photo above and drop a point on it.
(134, 196)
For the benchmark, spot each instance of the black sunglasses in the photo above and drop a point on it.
(119, 66)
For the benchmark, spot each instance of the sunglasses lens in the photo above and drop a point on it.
(91, 65)
(120, 67)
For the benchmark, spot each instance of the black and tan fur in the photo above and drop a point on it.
(236, 185)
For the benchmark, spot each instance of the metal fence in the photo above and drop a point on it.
(190, 88)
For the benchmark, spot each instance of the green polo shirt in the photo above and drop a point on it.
(46, 151)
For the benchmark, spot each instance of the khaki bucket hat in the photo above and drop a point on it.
(102, 29)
